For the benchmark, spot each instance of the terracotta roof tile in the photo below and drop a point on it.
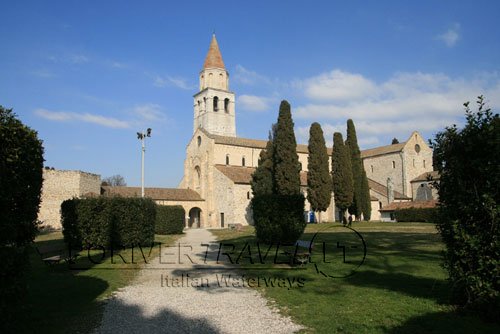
(407, 205)
(381, 189)
(254, 143)
(382, 150)
(434, 174)
(214, 58)
(243, 175)
(167, 194)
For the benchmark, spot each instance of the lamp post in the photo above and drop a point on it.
(142, 136)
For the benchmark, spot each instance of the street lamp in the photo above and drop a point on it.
(142, 136)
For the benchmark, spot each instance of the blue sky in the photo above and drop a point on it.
(87, 75)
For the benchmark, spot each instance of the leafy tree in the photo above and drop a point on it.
(395, 141)
(114, 181)
(468, 161)
(319, 182)
(356, 164)
(366, 207)
(342, 174)
(21, 164)
(262, 178)
(285, 158)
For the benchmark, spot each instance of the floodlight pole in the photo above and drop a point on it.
(142, 136)
(142, 170)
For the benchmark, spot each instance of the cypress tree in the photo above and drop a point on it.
(285, 158)
(366, 207)
(342, 173)
(395, 141)
(352, 142)
(262, 178)
(319, 182)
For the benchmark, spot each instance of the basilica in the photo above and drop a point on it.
(219, 165)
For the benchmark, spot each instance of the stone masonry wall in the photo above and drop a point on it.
(60, 185)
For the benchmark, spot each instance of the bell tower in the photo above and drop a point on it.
(214, 104)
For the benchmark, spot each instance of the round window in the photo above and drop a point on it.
(417, 148)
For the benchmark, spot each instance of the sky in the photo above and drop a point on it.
(88, 75)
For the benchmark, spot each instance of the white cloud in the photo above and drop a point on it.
(78, 148)
(77, 59)
(43, 73)
(450, 37)
(116, 64)
(339, 86)
(254, 103)
(63, 116)
(150, 112)
(178, 82)
(406, 96)
(247, 77)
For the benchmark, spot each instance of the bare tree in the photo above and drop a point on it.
(114, 181)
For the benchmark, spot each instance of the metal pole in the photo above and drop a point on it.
(143, 150)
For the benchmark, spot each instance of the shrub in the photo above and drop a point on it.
(468, 160)
(170, 219)
(21, 164)
(415, 215)
(278, 218)
(108, 222)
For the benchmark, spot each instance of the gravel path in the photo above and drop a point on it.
(191, 297)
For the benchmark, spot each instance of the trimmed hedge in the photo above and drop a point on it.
(415, 215)
(170, 219)
(278, 218)
(108, 222)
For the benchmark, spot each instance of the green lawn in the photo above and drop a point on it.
(400, 288)
(61, 300)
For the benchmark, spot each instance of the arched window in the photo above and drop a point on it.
(394, 164)
(248, 195)
(199, 140)
(216, 103)
(371, 167)
(226, 105)
(380, 205)
(243, 161)
(199, 106)
(227, 159)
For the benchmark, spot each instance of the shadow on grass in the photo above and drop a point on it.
(124, 318)
(443, 322)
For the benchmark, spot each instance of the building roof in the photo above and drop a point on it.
(407, 205)
(214, 58)
(423, 177)
(382, 150)
(167, 194)
(243, 175)
(381, 189)
(253, 143)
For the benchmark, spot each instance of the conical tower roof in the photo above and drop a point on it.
(214, 58)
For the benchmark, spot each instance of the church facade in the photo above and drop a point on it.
(218, 164)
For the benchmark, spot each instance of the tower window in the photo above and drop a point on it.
(371, 167)
(248, 195)
(243, 161)
(199, 140)
(216, 103)
(227, 159)
(226, 105)
(394, 164)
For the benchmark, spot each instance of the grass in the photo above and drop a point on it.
(400, 288)
(61, 300)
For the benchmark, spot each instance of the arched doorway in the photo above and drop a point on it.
(194, 218)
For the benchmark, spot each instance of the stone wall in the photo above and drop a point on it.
(60, 185)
